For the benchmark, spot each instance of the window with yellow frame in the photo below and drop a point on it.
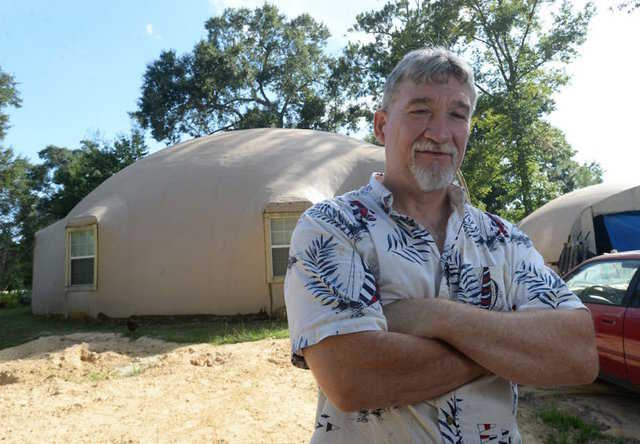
(278, 230)
(82, 257)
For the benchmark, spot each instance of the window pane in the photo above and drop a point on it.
(280, 238)
(603, 283)
(82, 243)
(281, 229)
(82, 271)
(279, 257)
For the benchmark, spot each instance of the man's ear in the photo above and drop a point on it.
(379, 121)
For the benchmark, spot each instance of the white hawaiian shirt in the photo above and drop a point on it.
(353, 254)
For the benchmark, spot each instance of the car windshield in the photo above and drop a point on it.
(603, 282)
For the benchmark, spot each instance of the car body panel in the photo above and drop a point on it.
(632, 344)
(615, 313)
(609, 326)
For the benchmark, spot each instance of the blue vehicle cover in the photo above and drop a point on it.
(623, 230)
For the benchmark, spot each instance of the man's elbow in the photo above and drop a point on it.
(348, 398)
(585, 356)
(590, 365)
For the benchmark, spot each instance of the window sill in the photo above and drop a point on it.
(80, 288)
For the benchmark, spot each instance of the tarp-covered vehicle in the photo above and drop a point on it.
(586, 223)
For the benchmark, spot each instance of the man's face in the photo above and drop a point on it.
(425, 131)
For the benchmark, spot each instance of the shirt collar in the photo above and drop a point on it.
(457, 195)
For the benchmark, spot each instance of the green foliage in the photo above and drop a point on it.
(399, 27)
(518, 63)
(515, 161)
(8, 97)
(254, 69)
(18, 195)
(70, 175)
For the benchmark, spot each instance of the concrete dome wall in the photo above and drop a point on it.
(181, 231)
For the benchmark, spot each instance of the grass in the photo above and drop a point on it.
(18, 325)
(569, 429)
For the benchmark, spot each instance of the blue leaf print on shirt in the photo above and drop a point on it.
(449, 421)
(409, 241)
(320, 262)
(542, 285)
(519, 238)
(328, 213)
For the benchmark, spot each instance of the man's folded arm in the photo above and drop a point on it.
(376, 369)
(534, 347)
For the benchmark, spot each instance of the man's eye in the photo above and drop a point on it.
(459, 116)
(420, 111)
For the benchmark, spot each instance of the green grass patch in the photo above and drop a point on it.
(18, 325)
(227, 330)
(569, 429)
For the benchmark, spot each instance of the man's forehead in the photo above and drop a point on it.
(455, 92)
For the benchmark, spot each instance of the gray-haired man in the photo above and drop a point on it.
(470, 309)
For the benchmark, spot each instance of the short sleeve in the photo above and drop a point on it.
(534, 284)
(329, 289)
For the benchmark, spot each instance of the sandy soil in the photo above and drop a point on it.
(106, 388)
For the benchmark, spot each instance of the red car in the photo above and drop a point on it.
(610, 286)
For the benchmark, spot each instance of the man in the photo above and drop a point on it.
(470, 310)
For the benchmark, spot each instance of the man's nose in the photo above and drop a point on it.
(437, 130)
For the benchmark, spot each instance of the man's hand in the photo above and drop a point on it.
(535, 347)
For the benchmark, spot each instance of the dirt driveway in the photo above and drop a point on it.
(105, 388)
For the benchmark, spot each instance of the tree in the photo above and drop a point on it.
(254, 69)
(518, 64)
(12, 186)
(8, 97)
(70, 175)
(628, 6)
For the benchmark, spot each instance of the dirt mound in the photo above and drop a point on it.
(107, 388)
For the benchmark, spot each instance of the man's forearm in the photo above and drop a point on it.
(542, 347)
(382, 369)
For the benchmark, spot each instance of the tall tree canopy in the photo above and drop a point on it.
(8, 97)
(69, 175)
(254, 69)
(15, 190)
(629, 5)
(518, 49)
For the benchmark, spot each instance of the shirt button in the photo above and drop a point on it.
(449, 420)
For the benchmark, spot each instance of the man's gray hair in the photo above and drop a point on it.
(429, 65)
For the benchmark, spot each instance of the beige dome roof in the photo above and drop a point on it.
(182, 230)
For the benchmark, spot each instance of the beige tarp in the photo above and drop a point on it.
(550, 226)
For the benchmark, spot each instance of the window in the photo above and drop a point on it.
(280, 218)
(603, 282)
(281, 229)
(81, 254)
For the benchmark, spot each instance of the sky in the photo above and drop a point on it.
(79, 67)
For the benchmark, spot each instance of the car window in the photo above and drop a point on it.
(603, 282)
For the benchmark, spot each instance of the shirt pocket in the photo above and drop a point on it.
(481, 286)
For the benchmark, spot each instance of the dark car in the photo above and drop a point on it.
(610, 286)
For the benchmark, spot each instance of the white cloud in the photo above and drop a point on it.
(151, 32)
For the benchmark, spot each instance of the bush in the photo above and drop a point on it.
(14, 298)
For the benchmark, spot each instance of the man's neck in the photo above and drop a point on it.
(431, 209)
